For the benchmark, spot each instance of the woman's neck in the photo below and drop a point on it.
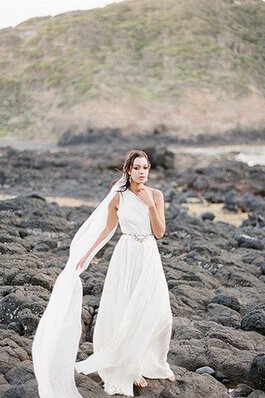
(134, 187)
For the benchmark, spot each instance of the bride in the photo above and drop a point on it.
(134, 322)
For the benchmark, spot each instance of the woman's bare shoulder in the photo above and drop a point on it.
(157, 194)
(155, 191)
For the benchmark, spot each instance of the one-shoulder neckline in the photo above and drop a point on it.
(128, 189)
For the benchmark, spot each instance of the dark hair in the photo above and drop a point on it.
(128, 163)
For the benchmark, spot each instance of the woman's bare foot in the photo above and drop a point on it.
(172, 378)
(140, 381)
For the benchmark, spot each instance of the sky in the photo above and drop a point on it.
(13, 12)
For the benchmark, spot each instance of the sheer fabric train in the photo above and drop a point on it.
(56, 340)
(133, 326)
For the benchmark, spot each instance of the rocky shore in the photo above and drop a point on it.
(215, 270)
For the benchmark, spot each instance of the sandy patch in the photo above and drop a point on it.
(197, 209)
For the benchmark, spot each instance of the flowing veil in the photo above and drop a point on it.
(56, 341)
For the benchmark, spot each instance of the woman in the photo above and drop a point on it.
(133, 326)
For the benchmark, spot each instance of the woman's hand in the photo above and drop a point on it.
(146, 196)
(80, 264)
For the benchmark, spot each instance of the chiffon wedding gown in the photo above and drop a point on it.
(133, 326)
(134, 321)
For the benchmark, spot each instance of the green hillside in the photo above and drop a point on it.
(134, 65)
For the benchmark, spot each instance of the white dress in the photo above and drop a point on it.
(134, 322)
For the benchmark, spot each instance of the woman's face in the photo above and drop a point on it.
(140, 170)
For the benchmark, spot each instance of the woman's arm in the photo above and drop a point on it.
(157, 214)
(111, 222)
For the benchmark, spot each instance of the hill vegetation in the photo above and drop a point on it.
(192, 66)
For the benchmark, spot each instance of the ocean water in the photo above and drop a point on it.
(252, 155)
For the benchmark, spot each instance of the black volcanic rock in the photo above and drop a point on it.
(160, 156)
(250, 242)
(208, 215)
(254, 320)
(257, 370)
(214, 270)
(228, 301)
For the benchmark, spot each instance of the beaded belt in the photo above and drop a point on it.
(138, 237)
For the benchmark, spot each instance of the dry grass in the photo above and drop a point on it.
(193, 66)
